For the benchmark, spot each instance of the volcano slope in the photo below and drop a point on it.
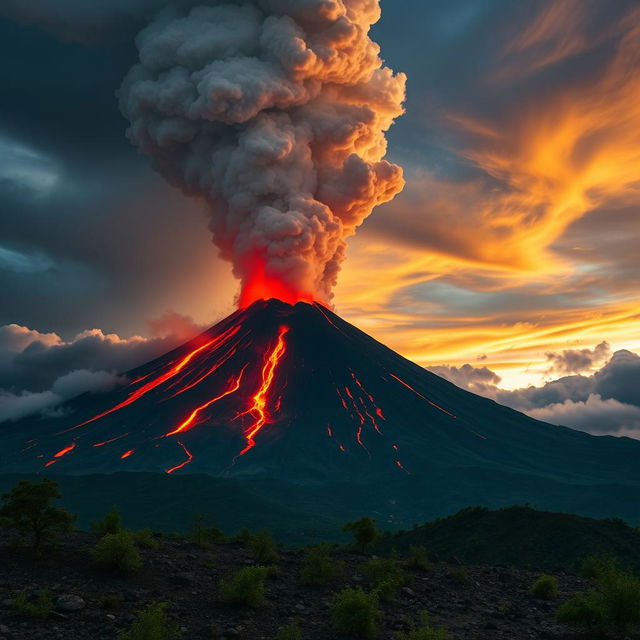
(308, 409)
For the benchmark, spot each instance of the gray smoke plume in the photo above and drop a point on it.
(275, 112)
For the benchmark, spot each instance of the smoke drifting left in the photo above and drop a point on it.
(274, 112)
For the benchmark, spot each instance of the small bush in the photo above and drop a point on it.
(386, 577)
(263, 547)
(28, 509)
(544, 588)
(612, 606)
(418, 558)
(244, 587)
(111, 602)
(364, 532)
(117, 551)
(151, 623)
(144, 539)
(319, 568)
(203, 535)
(111, 523)
(292, 632)
(356, 613)
(595, 567)
(39, 606)
(425, 631)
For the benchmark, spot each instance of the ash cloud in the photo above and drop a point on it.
(274, 112)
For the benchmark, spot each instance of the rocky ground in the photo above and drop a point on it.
(473, 603)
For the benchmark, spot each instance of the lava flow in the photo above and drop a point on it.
(260, 400)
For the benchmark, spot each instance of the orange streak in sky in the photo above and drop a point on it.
(182, 464)
(126, 454)
(101, 444)
(188, 424)
(136, 395)
(259, 407)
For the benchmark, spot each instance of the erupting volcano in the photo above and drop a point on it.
(280, 392)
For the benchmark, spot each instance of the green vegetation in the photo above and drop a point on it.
(418, 558)
(520, 536)
(39, 606)
(356, 613)
(144, 539)
(612, 605)
(244, 587)
(118, 552)
(110, 602)
(292, 632)
(319, 567)
(386, 577)
(111, 523)
(263, 547)
(424, 631)
(544, 588)
(364, 532)
(205, 536)
(152, 623)
(459, 576)
(28, 509)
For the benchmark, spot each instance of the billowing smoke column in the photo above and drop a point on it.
(275, 112)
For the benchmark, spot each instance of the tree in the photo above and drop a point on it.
(364, 531)
(27, 507)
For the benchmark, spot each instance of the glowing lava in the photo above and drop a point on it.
(264, 286)
(260, 400)
(433, 404)
(190, 422)
(60, 454)
(156, 382)
(182, 464)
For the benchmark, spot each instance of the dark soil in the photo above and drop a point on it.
(472, 602)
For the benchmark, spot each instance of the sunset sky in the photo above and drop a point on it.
(513, 248)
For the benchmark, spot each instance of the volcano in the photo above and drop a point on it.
(289, 396)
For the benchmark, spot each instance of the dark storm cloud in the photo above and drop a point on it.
(577, 360)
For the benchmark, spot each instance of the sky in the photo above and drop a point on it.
(508, 264)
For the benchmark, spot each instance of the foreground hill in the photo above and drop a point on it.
(520, 536)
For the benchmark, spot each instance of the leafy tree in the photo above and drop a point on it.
(151, 623)
(111, 523)
(356, 613)
(27, 507)
(364, 532)
(386, 577)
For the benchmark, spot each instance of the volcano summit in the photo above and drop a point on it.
(296, 396)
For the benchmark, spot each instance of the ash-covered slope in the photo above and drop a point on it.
(297, 394)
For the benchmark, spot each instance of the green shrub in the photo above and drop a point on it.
(39, 606)
(544, 588)
(144, 539)
(386, 577)
(425, 631)
(292, 632)
(418, 558)
(28, 509)
(319, 568)
(203, 535)
(244, 587)
(151, 623)
(612, 606)
(117, 551)
(111, 602)
(364, 532)
(263, 547)
(595, 567)
(111, 523)
(356, 613)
